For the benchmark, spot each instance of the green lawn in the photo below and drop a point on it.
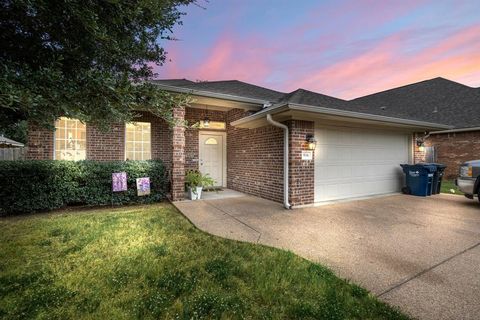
(447, 185)
(149, 262)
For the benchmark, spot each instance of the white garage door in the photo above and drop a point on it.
(353, 162)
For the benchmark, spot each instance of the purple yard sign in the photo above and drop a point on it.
(119, 181)
(143, 186)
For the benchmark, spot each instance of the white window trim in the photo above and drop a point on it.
(54, 156)
(125, 140)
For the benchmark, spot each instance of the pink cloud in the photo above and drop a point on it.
(387, 65)
(228, 58)
(330, 62)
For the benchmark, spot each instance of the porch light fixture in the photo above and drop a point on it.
(420, 145)
(311, 142)
(206, 120)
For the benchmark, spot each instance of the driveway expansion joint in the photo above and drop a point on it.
(419, 274)
(236, 219)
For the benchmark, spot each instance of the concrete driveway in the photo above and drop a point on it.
(421, 254)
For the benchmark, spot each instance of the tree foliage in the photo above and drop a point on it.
(87, 59)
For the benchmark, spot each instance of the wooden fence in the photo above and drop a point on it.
(12, 153)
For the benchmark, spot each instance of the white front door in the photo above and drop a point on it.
(212, 156)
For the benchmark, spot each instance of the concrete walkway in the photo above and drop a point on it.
(421, 254)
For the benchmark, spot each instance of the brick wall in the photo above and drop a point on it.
(301, 172)
(254, 156)
(161, 138)
(255, 159)
(191, 134)
(106, 146)
(40, 143)
(453, 149)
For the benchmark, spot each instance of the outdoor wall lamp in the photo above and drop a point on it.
(420, 145)
(206, 121)
(311, 142)
(421, 141)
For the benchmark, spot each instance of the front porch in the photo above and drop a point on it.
(246, 160)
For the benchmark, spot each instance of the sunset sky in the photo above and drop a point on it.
(340, 48)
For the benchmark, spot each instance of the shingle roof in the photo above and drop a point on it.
(302, 96)
(436, 100)
(9, 142)
(232, 87)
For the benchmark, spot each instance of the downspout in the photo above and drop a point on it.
(286, 204)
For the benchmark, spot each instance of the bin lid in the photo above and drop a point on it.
(439, 165)
(420, 166)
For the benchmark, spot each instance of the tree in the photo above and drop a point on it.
(86, 59)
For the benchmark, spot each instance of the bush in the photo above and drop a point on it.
(28, 186)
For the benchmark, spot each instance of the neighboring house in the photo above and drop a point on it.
(258, 141)
(440, 101)
(11, 149)
(9, 143)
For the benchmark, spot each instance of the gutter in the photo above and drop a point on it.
(456, 130)
(286, 204)
(338, 112)
(211, 94)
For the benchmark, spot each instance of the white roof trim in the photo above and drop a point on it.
(211, 94)
(10, 142)
(456, 130)
(338, 112)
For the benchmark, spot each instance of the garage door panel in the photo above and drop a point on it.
(351, 162)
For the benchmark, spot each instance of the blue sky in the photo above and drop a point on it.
(341, 48)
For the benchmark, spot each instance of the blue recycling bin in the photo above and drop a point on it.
(437, 176)
(419, 178)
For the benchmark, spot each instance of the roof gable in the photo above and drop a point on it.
(306, 97)
(232, 87)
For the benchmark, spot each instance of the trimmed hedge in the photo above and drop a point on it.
(28, 186)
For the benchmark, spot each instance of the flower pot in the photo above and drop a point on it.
(195, 193)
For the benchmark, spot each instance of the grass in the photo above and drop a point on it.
(448, 185)
(149, 262)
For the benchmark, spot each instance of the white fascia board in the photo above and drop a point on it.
(341, 113)
(270, 110)
(456, 130)
(367, 116)
(211, 94)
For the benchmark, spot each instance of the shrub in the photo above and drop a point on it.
(28, 186)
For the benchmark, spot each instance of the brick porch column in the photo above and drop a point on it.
(301, 172)
(178, 156)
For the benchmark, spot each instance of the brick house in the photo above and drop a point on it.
(440, 101)
(257, 141)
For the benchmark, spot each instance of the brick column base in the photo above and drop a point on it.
(178, 156)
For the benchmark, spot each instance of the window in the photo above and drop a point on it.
(211, 141)
(137, 142)
(215, 125)
(70, 139)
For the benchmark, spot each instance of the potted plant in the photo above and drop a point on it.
(195, 181)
